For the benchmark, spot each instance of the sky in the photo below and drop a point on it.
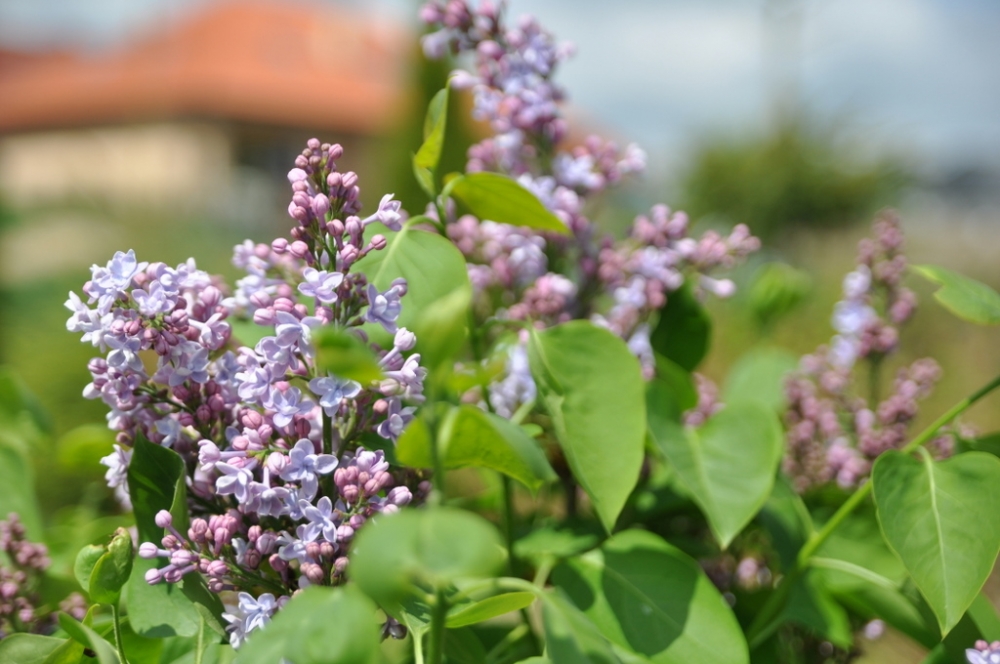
(915, 78)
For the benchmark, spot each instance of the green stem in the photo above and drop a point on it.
(199, 650)
(508, 521)
(327, 434)
(766, 621)
(438, 616)
(117, 618)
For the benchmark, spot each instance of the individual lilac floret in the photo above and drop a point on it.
(321, 285)
(304, 466)
(984, 653)
(384, 307)
(334, 392)
(251, 613)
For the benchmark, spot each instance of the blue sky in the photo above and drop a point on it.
(916, 77)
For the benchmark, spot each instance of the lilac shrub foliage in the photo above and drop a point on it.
(281, 470)
(834, 432)
(547, 278)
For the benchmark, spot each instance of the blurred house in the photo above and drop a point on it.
(208, 111)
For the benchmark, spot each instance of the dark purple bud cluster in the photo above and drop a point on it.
(21, 570)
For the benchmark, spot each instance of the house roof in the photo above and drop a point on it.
(275, 63)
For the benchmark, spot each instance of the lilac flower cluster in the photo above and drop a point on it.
(984, 653)
(278, 480)
(518, 274)
(834, 434)
(21, 609)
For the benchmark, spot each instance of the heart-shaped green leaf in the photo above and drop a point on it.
(496, 197)
(432, 547)
(570, 637)
(592, 387)
(650, 598)
(155, 480)
(684, 330)
(437, 289)
(20, 648)
(967, 298)
(728, 464)
(943, 521)
(301, 630)
(760, 376)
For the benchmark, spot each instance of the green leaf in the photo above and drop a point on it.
(85, 561)
(79, 632)
(649, 597)
(154, 476)
(345, 356)
(28, 648)
(496, 197)
(728, 464)
(112, 570)
(787, 520)
(318, 626)
(810, 605)
(437, 284)
(562, 541)
(684, 330)
(570, 637)
(760, 376)
(462, 646)
(592, 387)
(943, 521)
(425, 162)
(967, 298)
(491, 607)
(471, 438)
(69, 652)
(432, 547)
(671, 392)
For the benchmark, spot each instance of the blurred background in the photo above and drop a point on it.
(167, 126)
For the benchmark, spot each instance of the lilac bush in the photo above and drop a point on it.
(286, 443)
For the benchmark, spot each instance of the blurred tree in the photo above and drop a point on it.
(793, 176)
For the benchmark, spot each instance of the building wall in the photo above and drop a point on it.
(150, 164)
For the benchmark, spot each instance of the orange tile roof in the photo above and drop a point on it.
(284, 64)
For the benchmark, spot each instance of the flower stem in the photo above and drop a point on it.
(117, 619)
(766, 621)
(438, 617)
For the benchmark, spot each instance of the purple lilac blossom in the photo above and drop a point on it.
(834, 434)
(511, 269)
(278, 482)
